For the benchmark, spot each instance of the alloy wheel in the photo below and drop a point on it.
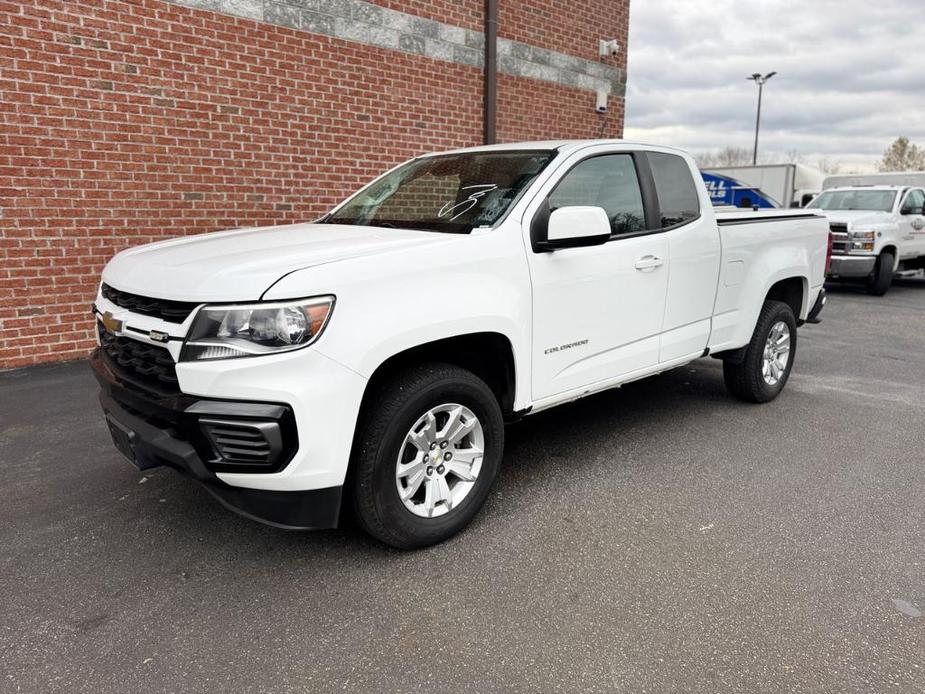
(776, 353)
(440, 460)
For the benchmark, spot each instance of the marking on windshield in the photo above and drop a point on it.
(481, 190)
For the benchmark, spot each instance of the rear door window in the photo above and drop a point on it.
(678, 201)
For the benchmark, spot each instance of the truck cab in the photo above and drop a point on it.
(878, 232)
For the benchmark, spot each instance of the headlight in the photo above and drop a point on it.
(248, 330)
(862, 241)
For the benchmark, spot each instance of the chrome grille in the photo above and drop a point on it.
(840, 240)
(166, 310)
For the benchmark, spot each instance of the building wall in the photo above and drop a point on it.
(128, 121)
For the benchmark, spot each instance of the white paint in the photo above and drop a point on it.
(578, 222)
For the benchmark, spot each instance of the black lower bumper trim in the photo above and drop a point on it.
(154, 438)
(312, 509)
(270, 428)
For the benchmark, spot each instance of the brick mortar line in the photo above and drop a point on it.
(373, 25)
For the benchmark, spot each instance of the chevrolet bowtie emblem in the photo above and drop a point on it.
(111, 323)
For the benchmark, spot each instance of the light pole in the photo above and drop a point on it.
(759, 79)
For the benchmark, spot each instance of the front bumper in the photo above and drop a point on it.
(852, 266)
(165, 430)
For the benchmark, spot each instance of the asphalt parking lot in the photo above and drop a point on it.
(661, 537)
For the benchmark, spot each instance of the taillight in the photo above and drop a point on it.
(828, 253)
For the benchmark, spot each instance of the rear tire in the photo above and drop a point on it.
(763, 373)
(416, 479)
(879, 284)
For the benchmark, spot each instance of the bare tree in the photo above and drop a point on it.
(770, 159)
(730, 156)
(734, 156)
(727, 156)
(828, 167)
(741, 156)
(903, 156)
(704, 159)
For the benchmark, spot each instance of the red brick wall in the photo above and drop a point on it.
(126, 121)
(568, 27)
(531, 110)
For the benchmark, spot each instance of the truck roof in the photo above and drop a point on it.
(561, 145)
(891, 178)
(880, 186)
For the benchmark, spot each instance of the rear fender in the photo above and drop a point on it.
(746, 278)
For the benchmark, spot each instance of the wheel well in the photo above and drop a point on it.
(488, 355)
(892, 249)
(790, 291)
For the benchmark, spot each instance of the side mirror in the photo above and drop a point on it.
(573, 227)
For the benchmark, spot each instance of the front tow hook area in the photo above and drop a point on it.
(125, 440)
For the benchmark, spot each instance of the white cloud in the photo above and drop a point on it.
(851, 76)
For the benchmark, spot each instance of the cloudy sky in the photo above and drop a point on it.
(851, 76)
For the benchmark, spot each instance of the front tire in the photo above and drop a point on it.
(763, 373)
(426, 453)
(879, 284)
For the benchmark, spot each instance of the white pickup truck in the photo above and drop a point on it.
(878, 232)
(373, 357)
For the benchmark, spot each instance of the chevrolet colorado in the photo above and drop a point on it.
(374, 356)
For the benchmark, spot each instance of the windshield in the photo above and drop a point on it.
(452, 193)
(873, 200)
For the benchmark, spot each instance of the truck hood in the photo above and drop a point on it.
(241, 265)
(858, 219)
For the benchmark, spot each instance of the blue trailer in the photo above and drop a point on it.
(728, 191)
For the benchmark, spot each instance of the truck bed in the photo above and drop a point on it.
(772, 245)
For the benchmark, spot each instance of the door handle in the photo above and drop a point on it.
(647, 263)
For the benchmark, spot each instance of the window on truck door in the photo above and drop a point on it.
(678, 201)
(607, 181)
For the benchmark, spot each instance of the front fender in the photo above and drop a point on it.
(387, 305)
